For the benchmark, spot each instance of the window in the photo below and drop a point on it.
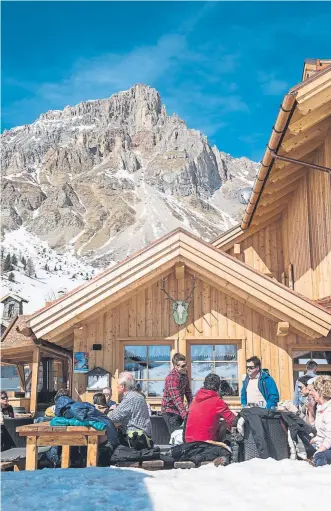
(300, 359)
(11, 308)
(320, 357)
(221, 359)
(150, 365)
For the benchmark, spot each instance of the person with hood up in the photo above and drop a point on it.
(206, 410)
(259, 388)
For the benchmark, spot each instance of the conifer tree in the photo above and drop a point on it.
(7, 266)
(30, 269)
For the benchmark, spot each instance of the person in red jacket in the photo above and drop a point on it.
(203, 421)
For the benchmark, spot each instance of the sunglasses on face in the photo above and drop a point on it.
(251, 367)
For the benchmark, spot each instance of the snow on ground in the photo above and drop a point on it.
(65, 271)
(257, 484)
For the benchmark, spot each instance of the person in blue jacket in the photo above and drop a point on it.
(259, 388)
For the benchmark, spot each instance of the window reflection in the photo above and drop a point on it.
(221, 359)
(148, 363)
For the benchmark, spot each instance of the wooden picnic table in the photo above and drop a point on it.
(43, 434)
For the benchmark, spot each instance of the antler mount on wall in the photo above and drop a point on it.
(179, 307)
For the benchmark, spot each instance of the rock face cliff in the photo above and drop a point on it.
(107, 177)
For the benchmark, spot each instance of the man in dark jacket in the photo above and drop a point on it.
(203, 421)
(259, 388)
(177, 386)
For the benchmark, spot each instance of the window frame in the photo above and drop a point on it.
(147, 342)
(302, 367)
(220, 341)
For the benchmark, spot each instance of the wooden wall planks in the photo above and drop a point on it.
(147, 316)
(301, 236)
(264, 250)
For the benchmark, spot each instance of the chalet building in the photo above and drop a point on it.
(263, 288)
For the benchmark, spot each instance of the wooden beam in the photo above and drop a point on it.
(263, 213)
(34, 380)
(301, 153)
(283, 328)
(316, 101)
(27, 381)
(318, 131)
(279, 174)
(179, 271)
(310, 120)
(65, 370)
(261, 221)
(275, 187)
(276, 196)
(246, 234)
(21, 375)
(236, 248)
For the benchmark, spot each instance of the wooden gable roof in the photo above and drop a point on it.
(157, 260)
(302, 125)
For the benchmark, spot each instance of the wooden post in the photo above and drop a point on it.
(31, 453)
(34, 380)
(21, 375)
(65, 462)
(65, 368)
(92, 451)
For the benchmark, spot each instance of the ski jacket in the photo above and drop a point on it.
(204, 416)
(267, 387)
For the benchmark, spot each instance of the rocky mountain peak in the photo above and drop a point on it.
(107, 176)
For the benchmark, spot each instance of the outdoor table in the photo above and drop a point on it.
(66, 436)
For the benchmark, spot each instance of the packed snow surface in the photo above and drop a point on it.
(257, 484)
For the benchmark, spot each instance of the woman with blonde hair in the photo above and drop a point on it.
(322, 441)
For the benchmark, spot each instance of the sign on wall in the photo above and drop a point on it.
(81, 362)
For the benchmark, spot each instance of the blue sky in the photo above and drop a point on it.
(221, 66)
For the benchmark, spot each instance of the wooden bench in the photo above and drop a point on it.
(18, 465)
(43, 434)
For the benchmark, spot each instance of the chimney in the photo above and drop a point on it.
(313, 66)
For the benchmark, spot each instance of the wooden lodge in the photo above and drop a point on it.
(262, 288)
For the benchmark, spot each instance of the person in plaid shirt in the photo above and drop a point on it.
(177, 386)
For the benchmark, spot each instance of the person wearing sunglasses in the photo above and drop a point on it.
(259, 388)
(177, 386)
(6, 409)
(311, 370)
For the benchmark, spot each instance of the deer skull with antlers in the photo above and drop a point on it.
(179, 307)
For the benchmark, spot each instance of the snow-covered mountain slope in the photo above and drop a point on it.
(52, 276)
